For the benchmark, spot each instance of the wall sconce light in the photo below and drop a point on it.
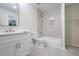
(52, 20)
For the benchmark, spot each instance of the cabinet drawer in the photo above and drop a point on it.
(7, 37)
(4, 42)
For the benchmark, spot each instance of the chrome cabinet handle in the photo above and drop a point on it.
(19, 45)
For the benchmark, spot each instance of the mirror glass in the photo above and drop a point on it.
(9, 14)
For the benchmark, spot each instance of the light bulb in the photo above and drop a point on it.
(14, 7)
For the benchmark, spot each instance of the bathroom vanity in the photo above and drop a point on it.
(12, 43)
(15, 43)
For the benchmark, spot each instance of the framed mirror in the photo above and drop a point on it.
(9, 14)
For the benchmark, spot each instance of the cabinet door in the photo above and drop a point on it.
(25, 47)
(8, 49)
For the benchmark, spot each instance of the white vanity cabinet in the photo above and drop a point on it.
(23, 49)
(8, 49)
(15, 45)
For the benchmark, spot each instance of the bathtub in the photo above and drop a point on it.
(51, 41)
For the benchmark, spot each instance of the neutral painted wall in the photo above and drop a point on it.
(28, 17)
(55, 29)
(40, 23)
(72, 24)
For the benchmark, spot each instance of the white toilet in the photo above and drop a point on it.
(38, 40)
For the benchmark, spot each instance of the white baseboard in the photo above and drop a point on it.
(76, 45)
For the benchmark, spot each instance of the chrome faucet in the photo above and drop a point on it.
(10, 29)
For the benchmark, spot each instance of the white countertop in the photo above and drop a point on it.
(10, 33)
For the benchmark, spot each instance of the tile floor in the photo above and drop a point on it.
(40, 50)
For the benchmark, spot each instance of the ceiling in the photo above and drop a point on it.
(47, 6)
(9, 6)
